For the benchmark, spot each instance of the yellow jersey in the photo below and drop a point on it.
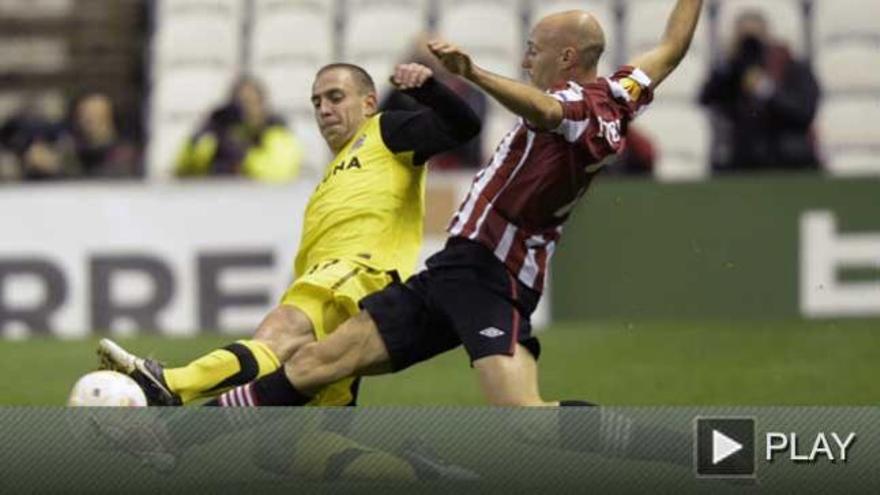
(370, 206)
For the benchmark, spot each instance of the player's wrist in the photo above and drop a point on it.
(476, 75)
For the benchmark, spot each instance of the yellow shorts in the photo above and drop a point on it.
(328, 293)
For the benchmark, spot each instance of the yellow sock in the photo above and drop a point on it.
(221, 369)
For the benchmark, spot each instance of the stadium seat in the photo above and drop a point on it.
(681, 134)
(196, 40)
(835, 19)
(166, 9)
(188, 91)
(379, 33)
(35, 9)
(10, 102)
(289, 85)
(785, 18)
(34, 54)
(847, 43)
(849, 121)
(846, 65)
(641, 36)
(491, 30)
(853, 161)
(604, 12)
(292, 29)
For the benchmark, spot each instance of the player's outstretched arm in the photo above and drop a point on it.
(532, 104)
(446, 122)
(660, 61)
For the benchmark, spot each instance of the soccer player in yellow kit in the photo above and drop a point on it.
(363, 229)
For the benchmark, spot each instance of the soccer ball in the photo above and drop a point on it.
(106, 388)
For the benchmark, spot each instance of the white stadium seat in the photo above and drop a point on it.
(835, 19)
(604, 12)
(491, 30)
(785, 18)
(379, 33)
(848, 65)
(853, 161)
(681, 134)
(846, 121)
(848, 45)
(292, 29)
(849, 132)
(194, 40)
(189, 91)
(224, 11)
(289, 85)
(645, 23)
(34, 9)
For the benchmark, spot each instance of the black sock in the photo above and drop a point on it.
(275, 389)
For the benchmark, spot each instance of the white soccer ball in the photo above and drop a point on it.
(106, 388)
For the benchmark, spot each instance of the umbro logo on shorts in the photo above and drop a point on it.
(491, 332)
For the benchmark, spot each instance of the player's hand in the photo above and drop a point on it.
(410, 76)
(452, 57)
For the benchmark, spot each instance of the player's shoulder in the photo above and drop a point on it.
(390, 122)
(628, 84)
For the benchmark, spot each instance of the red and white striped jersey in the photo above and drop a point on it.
(519, 201)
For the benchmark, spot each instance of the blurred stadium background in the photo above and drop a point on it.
(679, 288)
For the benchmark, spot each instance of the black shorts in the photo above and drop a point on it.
(466, 296)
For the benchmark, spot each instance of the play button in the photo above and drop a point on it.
(725, 447)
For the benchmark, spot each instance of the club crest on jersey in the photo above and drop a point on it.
(358, 144)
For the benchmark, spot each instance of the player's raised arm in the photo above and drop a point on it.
(661, 60)
(446, 123)
(530, 103)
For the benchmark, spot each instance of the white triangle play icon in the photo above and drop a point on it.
(723, 446)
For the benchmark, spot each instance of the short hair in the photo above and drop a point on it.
(361, 76)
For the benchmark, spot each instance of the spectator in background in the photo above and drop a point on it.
(766, 100)
(39, 149)
(88, 145)
(101, 149)
(243, 138)
(467, 156)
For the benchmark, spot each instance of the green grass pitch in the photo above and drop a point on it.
(614, 363)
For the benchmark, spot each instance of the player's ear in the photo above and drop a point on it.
(568, 57)
(371, 103)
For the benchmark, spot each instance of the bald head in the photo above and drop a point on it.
(573, 40)
(576, 29)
